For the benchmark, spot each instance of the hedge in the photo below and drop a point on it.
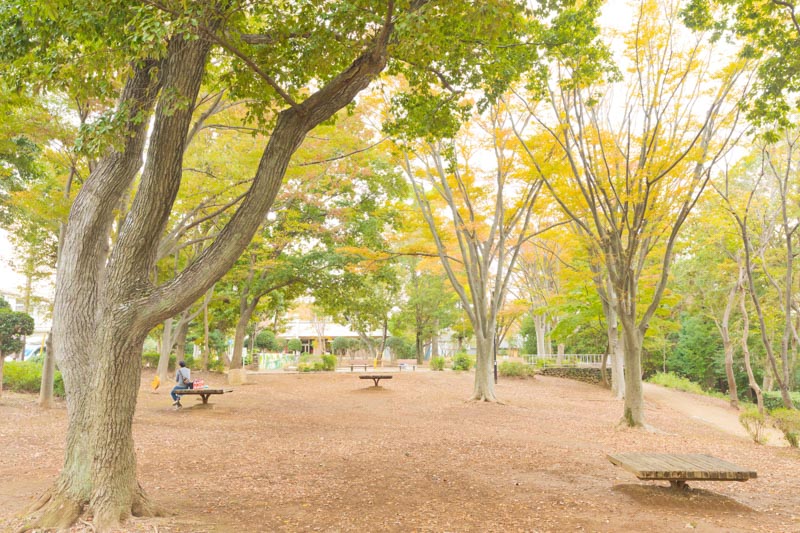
(25, 376)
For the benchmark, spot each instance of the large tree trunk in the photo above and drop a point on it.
(76, 313)
(484, 369)
(634, 397)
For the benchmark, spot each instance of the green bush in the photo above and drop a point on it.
(316, 366)
(754, 422)
(266, 340)
(294, 345)
(773, 400)
(515, 369)
(461, 361)
(674, 381)
(437, 363)
(25, 376)
(788, 421)
(216, 365)
(150, 359)
(329, 362)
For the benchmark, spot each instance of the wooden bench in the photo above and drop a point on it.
(203, 393)
(375, 377)
(357, 366)
(680, 468)
(403, 366)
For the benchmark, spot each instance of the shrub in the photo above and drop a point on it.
(150, 359)
(25, 376)
(329, 362)
(266, 340)
(216, 365)
(773, 400)
(674, 381)
(788, 421)
(294, 345)
(437, 363)
(515, 369)
(461, 361)
(754, 422)
(316, 366)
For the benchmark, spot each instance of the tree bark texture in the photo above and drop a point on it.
(484, 369)
(634, 395)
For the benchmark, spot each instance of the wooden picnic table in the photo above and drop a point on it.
(680, 468)
(203, 393)
(375, 377)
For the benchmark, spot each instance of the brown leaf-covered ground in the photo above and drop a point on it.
(329, 452)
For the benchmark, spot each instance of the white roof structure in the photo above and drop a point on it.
(297, 329)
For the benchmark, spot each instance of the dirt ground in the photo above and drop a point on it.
(329, 452)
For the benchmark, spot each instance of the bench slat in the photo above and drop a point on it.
(655, 466)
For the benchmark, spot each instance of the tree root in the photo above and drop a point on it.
(58, 512)
(485, 398)
(143, 506)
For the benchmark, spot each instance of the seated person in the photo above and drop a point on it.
(184, 379)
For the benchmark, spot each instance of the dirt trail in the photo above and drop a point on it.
(714, 412)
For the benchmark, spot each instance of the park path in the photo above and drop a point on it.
(714, 412)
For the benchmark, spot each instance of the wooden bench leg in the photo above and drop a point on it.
(205, 397)
(679, 484)
(376, 380)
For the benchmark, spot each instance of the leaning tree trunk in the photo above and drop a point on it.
(751, 378)
(727, 343)
(236, 374)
